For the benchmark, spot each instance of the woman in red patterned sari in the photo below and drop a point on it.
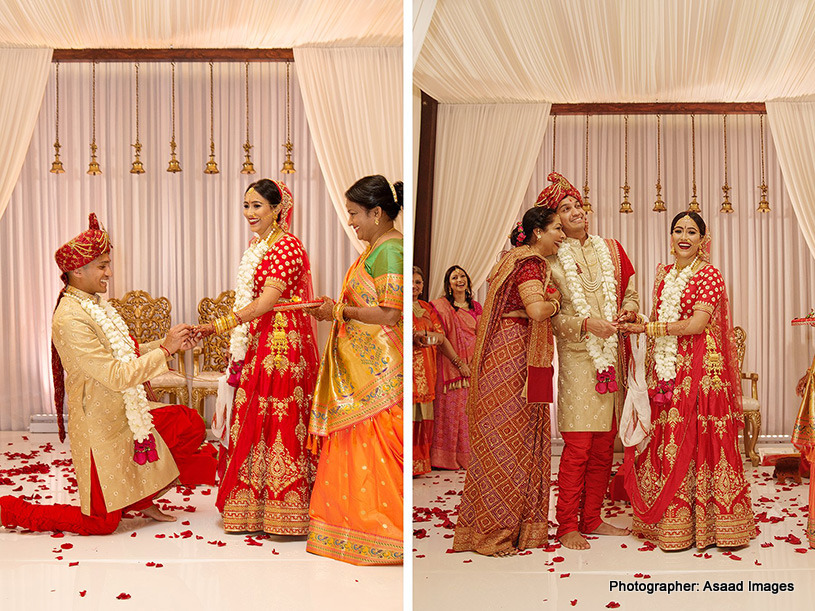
(274, 363)
(687, 485)
(459, 314)
(505, 504)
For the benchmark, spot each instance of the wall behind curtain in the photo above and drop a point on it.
(177, 235)
(764, 258)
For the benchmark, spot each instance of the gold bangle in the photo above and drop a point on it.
(339, 309)
(557, 307)
(225, 323)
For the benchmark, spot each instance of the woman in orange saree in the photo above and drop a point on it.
(356, 504)
(687, 486)
(505, 504)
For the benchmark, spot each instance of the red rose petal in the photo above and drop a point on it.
(562, 575)
(132, 534)
(734, 557)
(573, 602)
(558, 559)
(83, 592)
(57, 535)
(150, 564)
(185, 523)
(67, 545)
(123, 596)
(800, 550)
(466, 561)
(159, 565)
(73, 564)
(768, 544)
(612, 605)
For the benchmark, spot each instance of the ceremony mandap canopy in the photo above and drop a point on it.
(630, 93)
(213, 76)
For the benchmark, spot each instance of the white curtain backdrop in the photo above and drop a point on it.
(353, 100)
(23, 72)
(422, 15)
(484, 159)
(199, 23)
(564, 51)
(177, 235)
(793, 127)
(764, 258)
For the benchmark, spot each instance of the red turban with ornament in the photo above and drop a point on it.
(77, 253)
(555, 193)
(83, 249)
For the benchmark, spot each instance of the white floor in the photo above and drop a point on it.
(567, 579)
(189, 564)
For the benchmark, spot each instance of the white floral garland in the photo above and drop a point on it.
(666, 347)
(137, 408)
(239, 339)
(603, 352)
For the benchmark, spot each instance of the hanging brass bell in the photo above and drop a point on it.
(726, 205)
(693, 206)
(625, 207)
(212, 167)
(763, 204)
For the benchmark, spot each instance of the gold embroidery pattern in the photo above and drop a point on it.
(531, 291)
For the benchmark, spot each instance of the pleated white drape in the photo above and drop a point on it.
(216, 24)
(353, 100)
(485, 155)
(177, 235)
(422, 15)
(764, 258)
(23, 74)
(793, 128)
(571, 51)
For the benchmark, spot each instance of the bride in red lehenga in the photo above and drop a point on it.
(687, 485)
(273, 370)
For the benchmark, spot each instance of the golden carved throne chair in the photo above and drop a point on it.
(211, 359)
(148, 320)
(752, 408)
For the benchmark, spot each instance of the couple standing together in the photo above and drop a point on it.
(687, 484)
(285, 406)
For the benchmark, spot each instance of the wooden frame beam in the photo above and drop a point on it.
(672, 108)
(173, 55)
(422, 230)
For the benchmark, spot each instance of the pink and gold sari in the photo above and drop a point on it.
(803, 438)
(356, 503)
(451, 438)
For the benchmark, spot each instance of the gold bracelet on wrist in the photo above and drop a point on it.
(225, 323)
(339, 309)
(557, 307)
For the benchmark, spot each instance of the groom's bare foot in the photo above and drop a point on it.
(156, 514)
(608, 529)
(574, 540)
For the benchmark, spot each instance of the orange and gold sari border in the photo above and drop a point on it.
(390, 290)
(353, 546)
(385, 395)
